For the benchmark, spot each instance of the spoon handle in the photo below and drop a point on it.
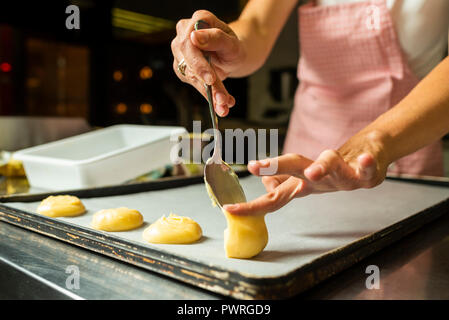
(201, 24)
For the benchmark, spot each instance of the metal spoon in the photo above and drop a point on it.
(222, 183)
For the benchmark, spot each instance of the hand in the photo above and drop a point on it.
(223, 46)
(360, 163)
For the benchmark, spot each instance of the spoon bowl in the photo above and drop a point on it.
(222, 184)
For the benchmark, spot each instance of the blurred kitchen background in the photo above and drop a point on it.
(118, 69)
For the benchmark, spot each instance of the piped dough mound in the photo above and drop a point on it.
(61, 206)
(173, 229)
(245, 236)
(119, 219)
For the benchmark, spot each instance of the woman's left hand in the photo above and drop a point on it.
(360, 163)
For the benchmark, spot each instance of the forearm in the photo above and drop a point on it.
(258, 27)
(419, 119)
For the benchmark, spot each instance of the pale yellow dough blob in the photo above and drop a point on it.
(173, 229)
(119, 219)
(61, 206)
(245, 236)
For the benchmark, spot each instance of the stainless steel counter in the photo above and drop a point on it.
(33, 266)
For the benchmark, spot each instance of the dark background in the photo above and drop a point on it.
(95, 72)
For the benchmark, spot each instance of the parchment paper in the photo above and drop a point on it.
(300, 232)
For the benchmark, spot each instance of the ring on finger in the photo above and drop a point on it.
(182, 67)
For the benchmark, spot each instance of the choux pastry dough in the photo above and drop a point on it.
(119, 219)
(61, 206)
(245, 236)
(173, 229)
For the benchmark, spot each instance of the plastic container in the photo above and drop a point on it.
(102, 157)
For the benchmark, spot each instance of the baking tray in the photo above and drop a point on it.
(311, 238)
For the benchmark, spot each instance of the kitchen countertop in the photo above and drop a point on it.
(34, 266)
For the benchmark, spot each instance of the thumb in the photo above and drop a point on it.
(367, 167)
(290, 164)
(215, 39)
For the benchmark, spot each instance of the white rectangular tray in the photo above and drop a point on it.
(99, 158)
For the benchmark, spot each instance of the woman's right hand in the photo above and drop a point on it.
(225, 49)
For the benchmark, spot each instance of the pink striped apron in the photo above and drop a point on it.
(351, 70)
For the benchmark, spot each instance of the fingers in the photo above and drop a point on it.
(190, 78)
(272, 201)
(367, 167)
(182, 48)
(328, 162)
(187, 46)
(291, 164)
(331, 162)
(271, 182)
(222, 99)
(287, 184)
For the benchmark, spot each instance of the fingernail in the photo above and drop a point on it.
(230, 207)
(221, 98)
(202, 37)
(207, 78)
(366, 160)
